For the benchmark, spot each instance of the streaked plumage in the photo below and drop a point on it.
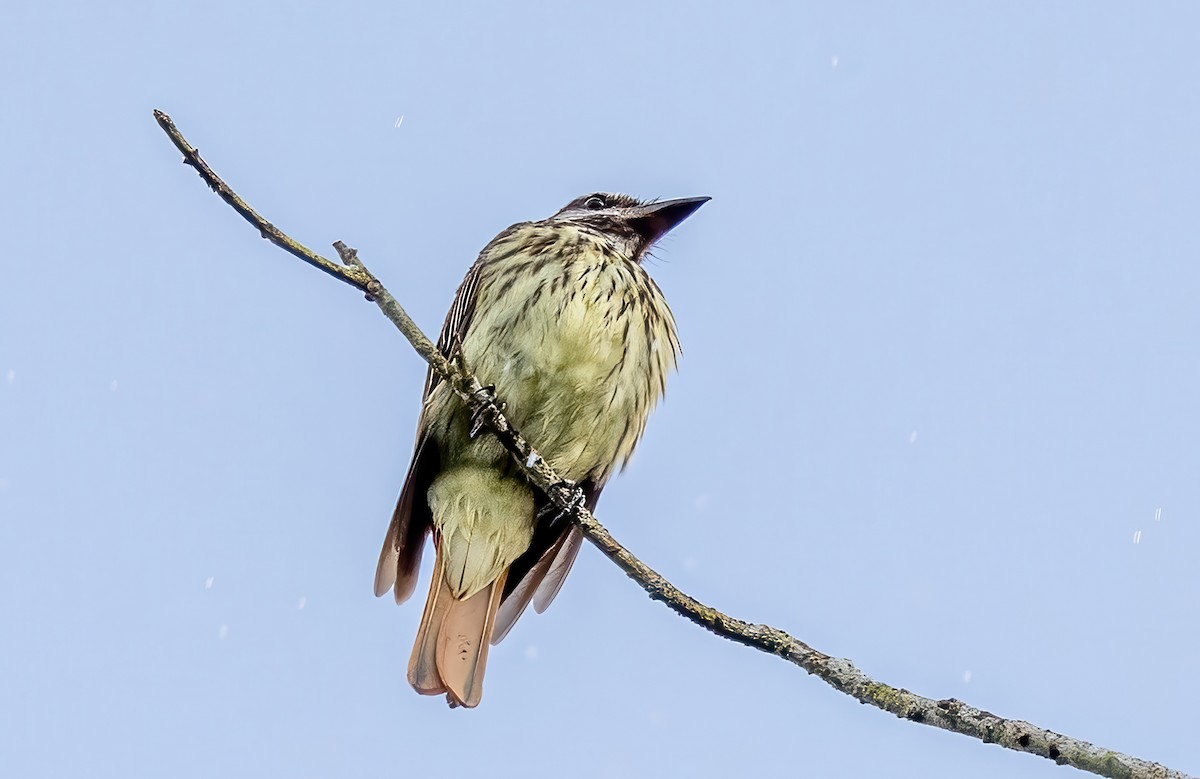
(561, 317)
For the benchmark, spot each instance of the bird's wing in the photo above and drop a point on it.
(458, 318)
(538, 574)
(400, 558)
(559, 568)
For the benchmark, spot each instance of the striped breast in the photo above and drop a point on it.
(577, 339)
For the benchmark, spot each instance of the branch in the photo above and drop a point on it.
(949, 714)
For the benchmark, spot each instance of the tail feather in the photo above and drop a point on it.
(463, 646)
(422, 666)
(450, 653)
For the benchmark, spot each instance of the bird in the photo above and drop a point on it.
(561, 322)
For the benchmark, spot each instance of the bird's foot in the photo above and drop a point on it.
(487, 408)
(552, 514)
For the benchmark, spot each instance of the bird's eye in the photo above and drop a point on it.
(595, 203)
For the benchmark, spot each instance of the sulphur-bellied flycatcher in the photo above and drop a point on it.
(576, 338)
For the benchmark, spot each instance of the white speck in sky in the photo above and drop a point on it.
(966, 677)
(531, 652)
(833, 61)
(690, 563)
(208, 583)
(400, 121)
(912, 437)
(12, 375)
(701, 501)
(303, 602)
(1158, 514)
(113, 386)
(222, 631)
(1137, 536)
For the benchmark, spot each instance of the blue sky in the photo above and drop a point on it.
(940, 370)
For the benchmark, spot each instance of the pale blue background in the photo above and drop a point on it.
(940, 332)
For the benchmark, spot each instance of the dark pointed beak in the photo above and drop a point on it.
(654, 220)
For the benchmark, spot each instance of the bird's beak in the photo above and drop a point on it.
(654, 220)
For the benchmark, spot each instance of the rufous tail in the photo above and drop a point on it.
(451, 650)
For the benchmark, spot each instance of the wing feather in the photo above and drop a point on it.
(400, 558)
(540, 572)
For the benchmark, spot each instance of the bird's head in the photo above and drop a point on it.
(633, 226)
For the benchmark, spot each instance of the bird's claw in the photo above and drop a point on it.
(486, 398)
(551, 514)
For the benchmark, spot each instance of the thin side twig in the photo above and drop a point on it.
(841, 674)
(354, 276)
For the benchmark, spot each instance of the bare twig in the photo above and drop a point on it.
(354, 276)
(950, 714)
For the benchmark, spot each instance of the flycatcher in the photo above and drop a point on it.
(561, 318)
